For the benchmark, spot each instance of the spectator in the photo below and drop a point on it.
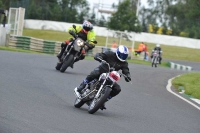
(145, 52)
(140, 49)
(114, 44)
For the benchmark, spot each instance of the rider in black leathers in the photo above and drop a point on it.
(117, 61)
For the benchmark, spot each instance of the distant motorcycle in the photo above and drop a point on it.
(72, 52)
(155, 59)
(97, 91)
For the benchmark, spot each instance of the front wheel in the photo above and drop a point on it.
(98, 103)
(153, 61)
(67, 62)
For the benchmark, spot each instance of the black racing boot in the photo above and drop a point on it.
(160, 60)
(63, 47)
(104, 107)
(82, 85)
(72, 64)
(60, 54)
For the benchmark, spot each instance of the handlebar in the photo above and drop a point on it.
(121, 74)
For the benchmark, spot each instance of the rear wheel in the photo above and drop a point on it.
(97, 103)
(67, 62)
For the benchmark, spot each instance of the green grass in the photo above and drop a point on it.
(190, 82)
(169, 52)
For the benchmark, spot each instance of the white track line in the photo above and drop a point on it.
(169, 89)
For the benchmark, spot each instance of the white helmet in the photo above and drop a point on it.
(158, 45)
(122, 53)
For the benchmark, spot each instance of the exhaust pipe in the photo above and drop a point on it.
(77, 93)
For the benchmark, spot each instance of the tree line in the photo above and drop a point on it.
(169, 17)
(177, 17)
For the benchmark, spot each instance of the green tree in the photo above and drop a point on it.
(102, 21)
(75, 10)
(181, 16)
(34, 11)
(92, 18)
(124, 18)
(1, 4)
(6, 3)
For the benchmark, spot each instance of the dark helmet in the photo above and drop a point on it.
(122, 53)
(87, 26)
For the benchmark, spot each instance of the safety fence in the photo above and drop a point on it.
(53, 47)
(2, 36)
(180, 67)
(30, 43)
(40, 45)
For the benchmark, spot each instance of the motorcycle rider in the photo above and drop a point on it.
(157, 48)
(117, 60)
(85, 32)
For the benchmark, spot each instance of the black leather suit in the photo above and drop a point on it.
(112, 59)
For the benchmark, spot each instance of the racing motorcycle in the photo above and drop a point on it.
(97, 91)
(155, 59)
(72, 52)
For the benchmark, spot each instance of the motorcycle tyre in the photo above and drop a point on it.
(153, 60)
(156, 64)
(100, 103)
(67, 63)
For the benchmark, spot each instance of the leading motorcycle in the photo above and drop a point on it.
(74, 50)
(98, 90)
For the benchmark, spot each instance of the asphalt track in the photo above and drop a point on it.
(35, 98)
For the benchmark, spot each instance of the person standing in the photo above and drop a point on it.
(145, 52)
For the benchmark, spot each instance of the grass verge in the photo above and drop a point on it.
(169, 52)
(190, 82)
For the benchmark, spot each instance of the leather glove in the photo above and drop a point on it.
(71, 32)
(128, 78)
(90, 46)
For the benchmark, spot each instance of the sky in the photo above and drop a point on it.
(107, 4)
